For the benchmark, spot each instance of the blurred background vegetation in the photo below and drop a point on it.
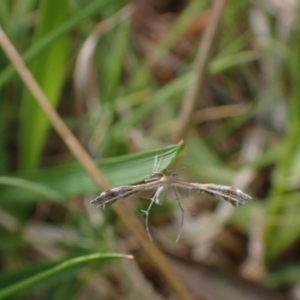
(119, 74)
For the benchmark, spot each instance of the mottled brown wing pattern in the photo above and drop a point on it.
(160, 181)
(234, 196)
(109, 197)
(168, 179)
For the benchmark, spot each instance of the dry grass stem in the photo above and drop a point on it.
(195, 88)
(88, 164)
(219, 112)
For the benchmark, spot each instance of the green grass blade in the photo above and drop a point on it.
(4, 13)
(57, 33)
(208, 167)
(49, 69)
(36, 188)
(278, 237)
(3, 136)
(70, 180)
(155, 100)
(113, 64)
(221, 64)
(73, 262)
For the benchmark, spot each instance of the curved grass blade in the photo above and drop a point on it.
(49, 70)
(47, 40)
(37, 188)
(70, 263)
(70, 180)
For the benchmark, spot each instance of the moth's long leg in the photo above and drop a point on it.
(182, 214)
(157, 162)
(146, 212)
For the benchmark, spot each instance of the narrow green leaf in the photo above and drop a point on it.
(49, 70)
(277, 202)
(70, 180)
(3, 136)
(4, 13)
(36, 188)
(210, 167)
(221, 64)
(34, 280)
(157, 98)
(113, 64)
(57, 33)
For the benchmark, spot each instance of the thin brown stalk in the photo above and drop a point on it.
(88, 164)
(199, 72)
(253, 268)
(84, 89)
(219, 112)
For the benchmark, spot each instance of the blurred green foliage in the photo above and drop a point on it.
(135, 111)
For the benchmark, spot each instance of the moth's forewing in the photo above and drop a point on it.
(234, 196)
(109, 197)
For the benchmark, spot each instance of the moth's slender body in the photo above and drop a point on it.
(160, 181)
